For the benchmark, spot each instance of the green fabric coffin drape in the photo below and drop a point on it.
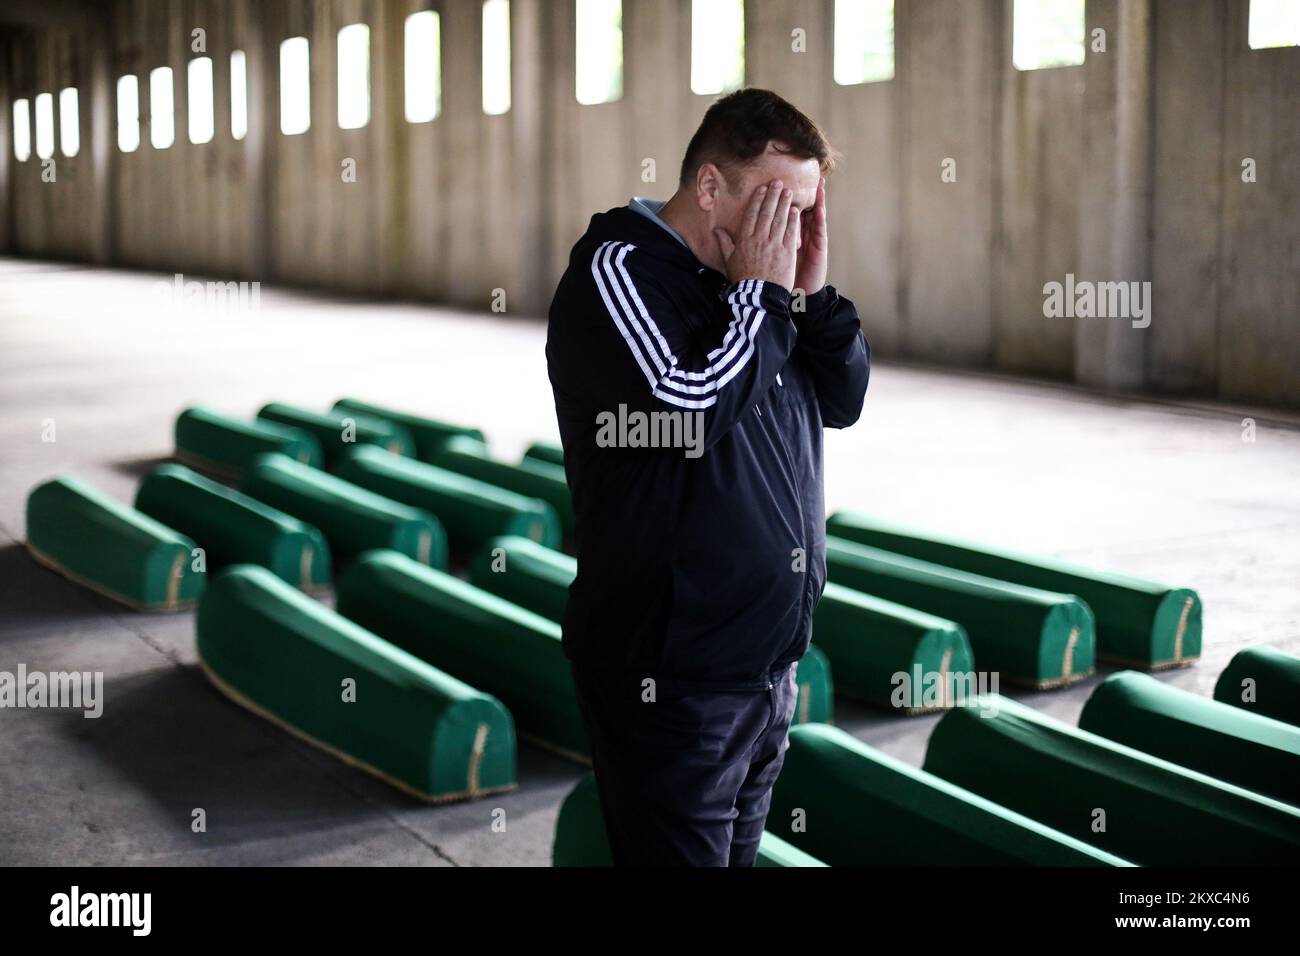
(472, 511)
(429, 434)
(351, 518)
(549, 452)
(331, 429)
(580, 838)
(509, 652)
(1036, 638)
(226, 446)
(233, 528)
(1252, 751)
(1140, 807)
(1139, 623)
(532, 479)
(538, 578)
(850, 805)
(891, 655)
(1262, 680)
(294, 661)
(109, 547)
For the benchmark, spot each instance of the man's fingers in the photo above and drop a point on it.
(765, 215)
(751, 211)
(792, 223)
(780, 219)
(725, 245)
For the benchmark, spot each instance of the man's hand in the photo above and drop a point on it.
(768, 244)
(810, 273)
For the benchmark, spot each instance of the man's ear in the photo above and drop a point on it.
(708, 184)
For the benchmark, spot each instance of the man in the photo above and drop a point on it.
(699, 565)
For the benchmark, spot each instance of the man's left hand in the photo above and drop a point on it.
(814, 246)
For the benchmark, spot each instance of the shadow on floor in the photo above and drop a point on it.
(37, 599)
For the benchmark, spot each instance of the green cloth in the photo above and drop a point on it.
(226, 446)
(1032, 637)
(850, 805)
(1137, 806)
(428, 433)
(233, 528)
(1262, 680)
(538, 578)
(533, 479)
(891, 655)
(509, 652)
(1229, 743)
(472, 511)
(549, 452)
(103, 544)
(580, 838)
(352, 519)
(293, 660)
(340, 431)
(1139, 623)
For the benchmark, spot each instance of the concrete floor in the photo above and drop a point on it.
(1165, 491)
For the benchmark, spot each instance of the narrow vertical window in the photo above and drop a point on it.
(238, 96)
(128, 113)
(295, 86)
(864, 41)
(199, 85)
(44, 125)
(599, 51)
(69, 122)
(717, 46)
(354, 76)
(1047, 33)
(162, 108)
(496, 57)
(22, 130)
(423, 66)
(1273, 23)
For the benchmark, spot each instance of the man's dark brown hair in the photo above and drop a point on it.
(737, 128)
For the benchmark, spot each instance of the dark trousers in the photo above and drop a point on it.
(685, 779)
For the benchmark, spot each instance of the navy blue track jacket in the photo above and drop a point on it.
(707, 569)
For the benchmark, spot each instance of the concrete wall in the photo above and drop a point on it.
(1125, 168)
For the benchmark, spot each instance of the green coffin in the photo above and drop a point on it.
(532, 479)
(339, 432)
(580, 838)
(351, 518)
(890, 655)
(290, 659)
(109, 547)
(1139, 623)
(1262, 680)
(538, 578)
(1140, 807)
(472, 512)
(226, 446)
(545, 451)
(850, 805)
(233, 528)
(509, 652)
(1036, 638)
(429, 434)
(1254, 752)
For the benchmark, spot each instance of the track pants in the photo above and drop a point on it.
(685, 779)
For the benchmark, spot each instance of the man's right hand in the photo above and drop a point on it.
(768, 245)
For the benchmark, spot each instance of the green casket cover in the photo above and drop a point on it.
(352, 519)
(429, 434)
(338, 432)
(226, 447)
(547, 451)
(1139, 623)
(532, 479)
(290, 659)
(109, 547)
(233, 528)
(1263, 680)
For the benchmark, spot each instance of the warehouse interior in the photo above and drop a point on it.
(316, 211)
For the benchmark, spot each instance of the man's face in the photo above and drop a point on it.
(800, 175)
